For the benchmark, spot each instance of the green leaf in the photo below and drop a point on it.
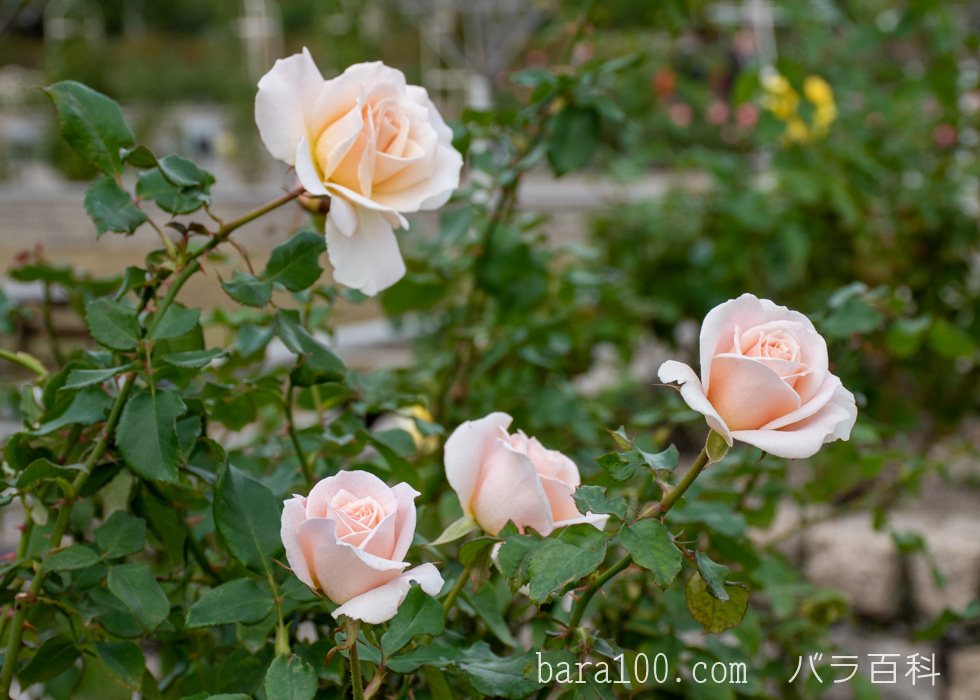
(113, 324)
(124, 661)
(577, 552)
(574, 135)
(45, 469)
(653, 548)
(87, 407)
(666, 460)
(147, 434)
(713, 575)
(176, 321)
(290, 678)
(121, 535)
(54, 656)
(294, 264)
(248, 289)
(183, 172)
(716, 615)
(514, 558)
(76, 556)
(419, 614)
(497, 676)
(241, 600)
(950, 341)
(716, 446)
(433, 654)
(246, 515)
(92, 124)
(80, 378)
(137, 588)
(193, 359)
(593, 498)
(111, 209)
(455, 530)
(177, 185)
(319, 359)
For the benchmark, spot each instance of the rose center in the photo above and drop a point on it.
(366, 512)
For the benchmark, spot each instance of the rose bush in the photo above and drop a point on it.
(347, 539)
(765, 380)
(500, 476)
(376, 145)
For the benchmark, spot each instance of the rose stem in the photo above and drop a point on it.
(357, 684)
(457, 588)
(669, 501)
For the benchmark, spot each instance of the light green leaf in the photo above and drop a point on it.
(716, 615)
(92, 124)
(290, 678)
(653, 548)
(420, 613)
(246, 516)
(147, 434)
(241, 600)
(294, 264)
(136, 586)
(111, 209)
(113, 324)
(121, 535)
(455, 530)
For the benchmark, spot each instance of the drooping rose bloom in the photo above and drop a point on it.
(499, 477)
(347, 540)
(375, 144)
(765, 380)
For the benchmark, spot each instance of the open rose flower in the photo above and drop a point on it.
(347, 539)
(500, 477)
(374, 144)
(765, 380)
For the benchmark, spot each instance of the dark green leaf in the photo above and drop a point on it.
(419, 614)
(54, 656)
(87, 407)
(124, 661)
(113, 324)
(593, 498)
(497, 676)
(514, 558)
(713, 575)
(147, 434)
(80, 378)
(577, 552)
(111, 209)
(137, 588)
(574, 135)
(716, 615)
(294, 264)
(290, 678)
(176, 199)
(246, 515)
(92, 124)
(653, 548)
(192, 359)
(241, 600)
(46, 469)
(76, 556)
(176, 321)
(319, 358)
(121, 535)
(248, 289)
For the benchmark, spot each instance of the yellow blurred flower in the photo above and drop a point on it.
(783, 101)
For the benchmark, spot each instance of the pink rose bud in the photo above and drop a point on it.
(347, 540)
(376, 145)
(500, 477)
(765, 380)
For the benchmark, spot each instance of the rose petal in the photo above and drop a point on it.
(465, 451)
(718, 330)
(429, 192)
(340, 570)
(820, 399)
(284, 104)
(369, 259)
(747, 393)
(405, 496)
(380, 604)
(509, 489)
(381, 540)
(598, 521)
(339, 136)
(693, 394)
(832, 422)
(560, 497)
(293, 515)
(306, 170)
(357, 482)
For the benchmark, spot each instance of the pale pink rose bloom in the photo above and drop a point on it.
(347, 540)
(376, 145)
(500, 477)
(765, 380)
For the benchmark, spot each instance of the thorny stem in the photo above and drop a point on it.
(357, 683)
(668, 502)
